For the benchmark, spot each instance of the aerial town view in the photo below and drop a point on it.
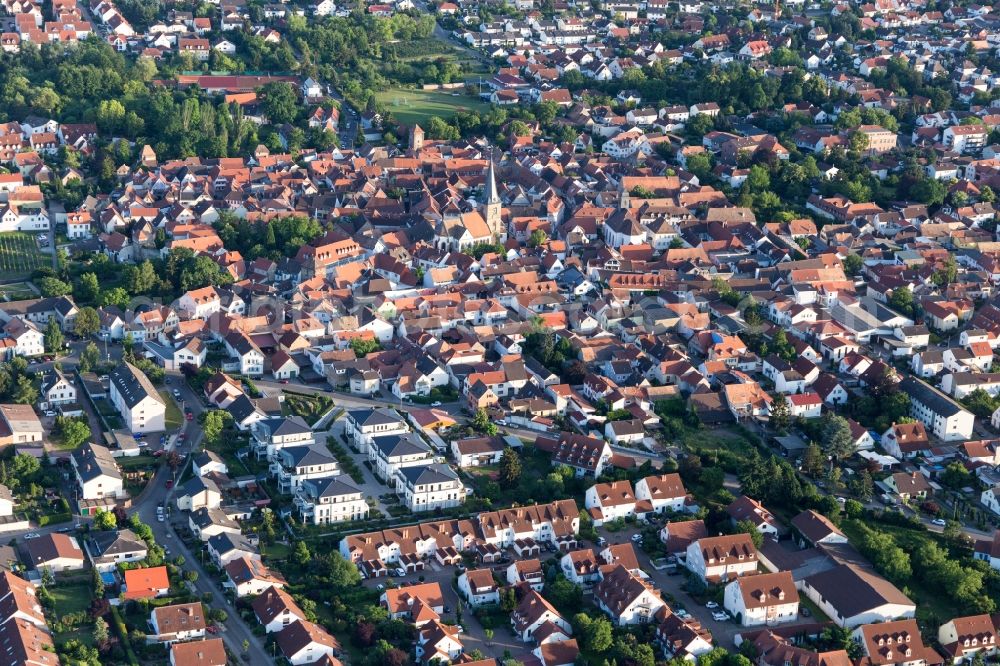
(499, 333)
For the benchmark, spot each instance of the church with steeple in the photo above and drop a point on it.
(492, 205)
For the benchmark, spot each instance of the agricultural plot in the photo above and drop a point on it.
(20, 256)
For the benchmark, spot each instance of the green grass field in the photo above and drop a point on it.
(19, 256)
(173, 418)
(73, 597)
(410, 106)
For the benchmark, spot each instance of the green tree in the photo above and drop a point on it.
(836, 438)
(100, 631)
(50, 286)
(362, 347)
(595, 634)
(864, 487)
(538, 237)
(141, 279)
(71, 432)
(213, 422)
(54, 340)
(510, 468)
(116, 296)
(980, 403)
(780, 413)
(956, 476)
(301, 554)
(747, 527)
(90, 358)
(25, 392)
(281, 104)
(87, 322)
(813, 460)
(482, 424)
(87, 288)
(902, 300)
(105, 520)
(852, 264)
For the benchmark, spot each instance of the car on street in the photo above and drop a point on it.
(170, 484)
(601, 541)
(940, 522)
(636, 538)
(720, 616)
(682, 614)
(436, 403)
(190, 416)
(284, 381)
(711, 605)
(64, 530)
(32, 535)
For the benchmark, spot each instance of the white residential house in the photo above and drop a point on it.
(142, 408)
(56, 390)
(627, 598)
(769, 598)
(333, 499)
(611, 501)
(664, 492)
(721, 558)
(364, 425)
(478, 587)
(429, 487)
(97, 474)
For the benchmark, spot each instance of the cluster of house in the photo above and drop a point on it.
(29, 24)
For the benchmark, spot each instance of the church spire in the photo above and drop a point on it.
(492, 196)
(492, 207)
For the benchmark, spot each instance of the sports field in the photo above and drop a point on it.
(410, 106)
(19, 255)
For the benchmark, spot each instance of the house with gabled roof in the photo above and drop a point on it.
(768, 598)
(962, 638)
(137, 400)
(721, 558)
(535, 616)
(417, 603)
(625, 597)
(276, 609)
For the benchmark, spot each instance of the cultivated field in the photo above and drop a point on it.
(19, 255)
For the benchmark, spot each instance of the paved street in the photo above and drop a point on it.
(235, 631)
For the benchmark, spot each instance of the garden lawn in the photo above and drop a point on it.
(20, 256)
(17, 291)
(73, 598)
(410, 106)
(140, 462)
(174, 419)
(309, 407)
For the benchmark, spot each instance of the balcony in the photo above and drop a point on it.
(305, 507)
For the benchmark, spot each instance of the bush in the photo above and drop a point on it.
(54, 518)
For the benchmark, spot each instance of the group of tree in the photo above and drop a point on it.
(971, 585)
(276, 239)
